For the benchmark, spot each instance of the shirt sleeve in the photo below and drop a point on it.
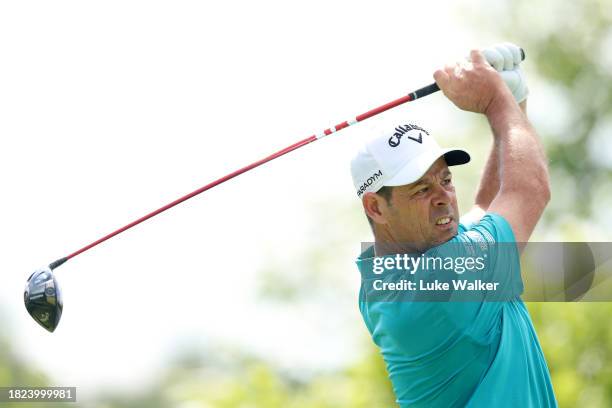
(503, 266)
(486, 252)
(493, 279)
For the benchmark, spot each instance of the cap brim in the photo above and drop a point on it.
(415, 169)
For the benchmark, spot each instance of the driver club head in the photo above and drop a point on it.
(43, 298)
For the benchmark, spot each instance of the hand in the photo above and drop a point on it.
(473, 85)
(506, 58)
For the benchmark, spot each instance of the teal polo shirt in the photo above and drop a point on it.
(466, 349)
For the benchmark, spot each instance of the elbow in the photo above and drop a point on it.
(544, 187)
(541, 197)
(544, 181)
(538, 186)
(546, 193)
(539, 191)
(535, 190)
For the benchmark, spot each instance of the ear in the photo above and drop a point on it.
(376, 207)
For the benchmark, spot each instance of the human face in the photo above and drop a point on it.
(423, 214)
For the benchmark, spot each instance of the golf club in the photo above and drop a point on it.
(42, 295)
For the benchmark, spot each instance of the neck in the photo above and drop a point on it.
(386, 244)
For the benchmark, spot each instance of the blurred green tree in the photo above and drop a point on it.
(248, 382)
(577, 342)
(14, 372)
(569, 51)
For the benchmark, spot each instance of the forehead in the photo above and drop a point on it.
(438, 168)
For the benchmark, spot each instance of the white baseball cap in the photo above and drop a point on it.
(398, 157)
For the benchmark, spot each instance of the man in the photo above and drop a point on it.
(441, 353)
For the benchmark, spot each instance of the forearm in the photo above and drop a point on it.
(521, 159)
(490, 179)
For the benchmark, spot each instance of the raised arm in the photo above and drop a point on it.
(523, 188)
(488, 186)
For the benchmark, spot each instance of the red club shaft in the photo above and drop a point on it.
(410, 97)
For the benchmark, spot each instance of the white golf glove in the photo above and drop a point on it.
(506, 58)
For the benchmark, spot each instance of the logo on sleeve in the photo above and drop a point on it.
(402, 131)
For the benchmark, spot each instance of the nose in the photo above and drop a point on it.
(442, 196)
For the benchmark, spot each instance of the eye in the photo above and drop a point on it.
(448, 180)
(422, 190)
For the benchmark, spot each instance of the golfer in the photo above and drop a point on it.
(443, 353)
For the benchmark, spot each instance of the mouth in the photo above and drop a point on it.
(445, 222)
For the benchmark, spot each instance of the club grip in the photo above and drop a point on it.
(429, 89)
(424, 91)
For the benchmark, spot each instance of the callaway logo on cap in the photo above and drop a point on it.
(397, 157)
